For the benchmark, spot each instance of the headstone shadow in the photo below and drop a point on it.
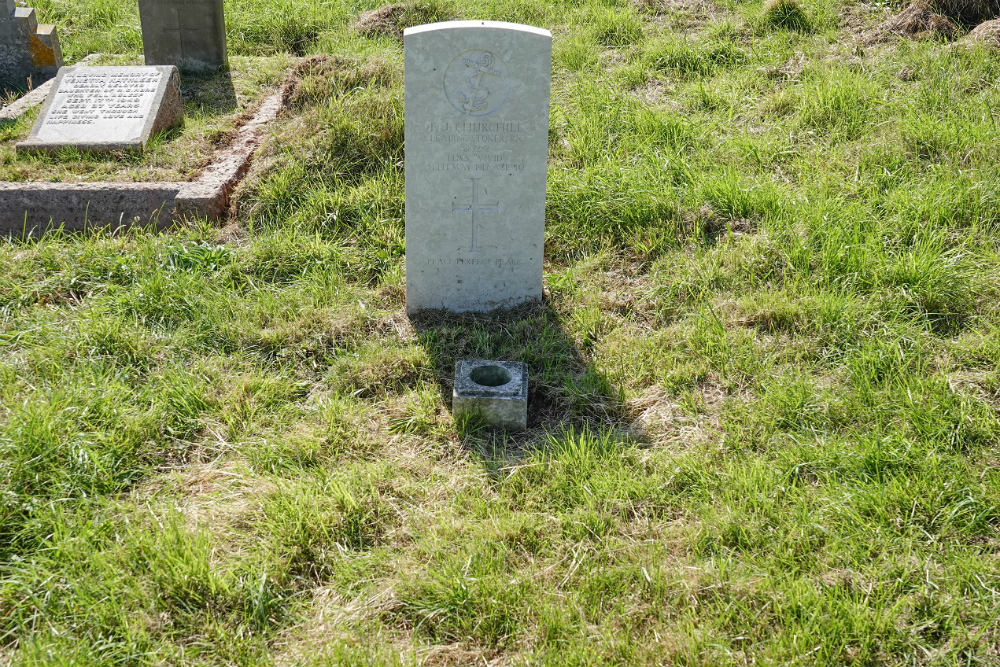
(565, 390)
(477, 98)
(213, 92)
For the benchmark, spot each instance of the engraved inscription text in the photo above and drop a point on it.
(88, 98)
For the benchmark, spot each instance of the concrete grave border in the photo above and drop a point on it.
(29, 208)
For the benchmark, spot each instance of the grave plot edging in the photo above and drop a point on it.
(30, 208)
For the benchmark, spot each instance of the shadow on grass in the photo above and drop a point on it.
(213, 92)
(10, 93)
(564, 389)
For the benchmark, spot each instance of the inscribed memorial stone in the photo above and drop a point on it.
(190, 34)
(477, 124)
(29, 53)
(107, 108)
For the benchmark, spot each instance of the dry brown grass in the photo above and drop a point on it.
(391, 20)
(988, 33)
(917, 21)
(662, 7)
(666, 423)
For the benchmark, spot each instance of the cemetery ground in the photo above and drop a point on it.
(214, 105)
(764, 402)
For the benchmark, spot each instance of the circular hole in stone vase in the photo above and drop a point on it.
(490, 376)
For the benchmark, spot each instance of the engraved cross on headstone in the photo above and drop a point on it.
(476, 207)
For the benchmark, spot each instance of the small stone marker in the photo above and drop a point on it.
(494, 391)
(106, 109)
(190, 34)
(29, 53)
(477, 127)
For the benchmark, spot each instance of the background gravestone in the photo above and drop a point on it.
(106, 109)
(477, 126)
(28, 52)
(190, 34)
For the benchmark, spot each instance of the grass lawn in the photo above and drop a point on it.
(765, 390)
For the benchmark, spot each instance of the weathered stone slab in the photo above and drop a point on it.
(190, 34)
(106, 109)
(29, 52)
(477, 124)
(29, 208)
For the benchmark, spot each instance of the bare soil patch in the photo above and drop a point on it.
(392, 20)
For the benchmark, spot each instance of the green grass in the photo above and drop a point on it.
(764, 383)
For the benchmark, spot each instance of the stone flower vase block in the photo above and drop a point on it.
(495, 391)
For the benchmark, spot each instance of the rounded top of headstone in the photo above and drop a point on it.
(460, 25)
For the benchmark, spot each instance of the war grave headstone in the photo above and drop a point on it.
(477, 122)
(190, 34)
(29, 52)
(106, 109)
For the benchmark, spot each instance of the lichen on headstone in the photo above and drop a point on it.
(29, 52)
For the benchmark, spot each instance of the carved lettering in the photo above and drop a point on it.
(86, 98)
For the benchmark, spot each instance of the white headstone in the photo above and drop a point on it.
(477, 126)
(106, 108)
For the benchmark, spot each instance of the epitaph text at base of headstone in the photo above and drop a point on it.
(477, 123)
(107, 108)
(190, 34)
(29, 52)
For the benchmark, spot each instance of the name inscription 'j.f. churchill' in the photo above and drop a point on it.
(477, 97)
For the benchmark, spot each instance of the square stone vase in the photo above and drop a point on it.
(495, 391)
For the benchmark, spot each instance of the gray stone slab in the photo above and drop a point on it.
(495, 391)
(190, 34)
(106, 109)
(477, 125)
(29, 52)
(30, 208)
